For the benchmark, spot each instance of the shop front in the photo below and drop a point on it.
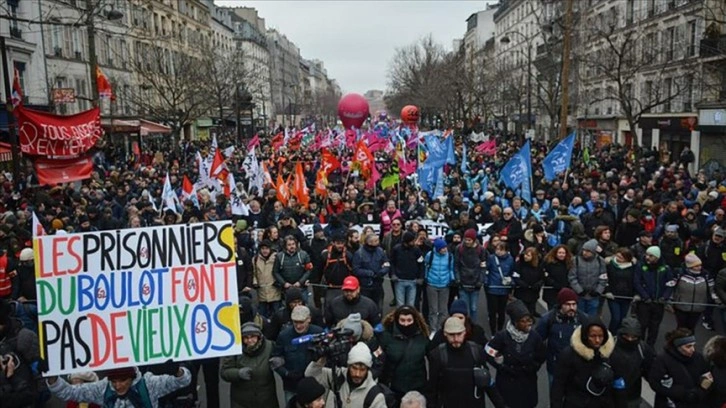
(712, 126)
(598, 132)
(670, 134)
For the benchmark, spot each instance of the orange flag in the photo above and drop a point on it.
(266, 178)
(283, 189)
(363, 159)
(104, 87)
(299, 187)
(329, 163)
(321, 184)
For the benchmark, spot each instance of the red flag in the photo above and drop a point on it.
(329, 163)
(104, 87)
(254, 142)
(321, 184)
(363, 159)
(17, 96)
(218, 169)
(299, 187)
(283, 189)
(278, 140)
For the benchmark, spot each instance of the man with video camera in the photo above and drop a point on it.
(353, 384)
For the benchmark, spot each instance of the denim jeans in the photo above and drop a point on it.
(405, 292)
(588, 306)
(618, 311)
(471, 299)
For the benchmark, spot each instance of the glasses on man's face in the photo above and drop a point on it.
(396, 224)
(507, 213)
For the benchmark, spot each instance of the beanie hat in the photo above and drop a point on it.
(353, 322)
(537, 228)
(121, 373)
(360, 353)
(246, 311)
(292, 294)
(692, 261)
(408, 237)
(631, 326)
(26, 255)
(634, 213)
(317, 228)
(251, 329)
(240, 226)
(300, 314)
(86, 376)
(654, 251)
(566, 295)
(439, 244)
(517, 310)
(308, 390)
(459, 306)
(671, 228)
(590, 245)
(470, 233)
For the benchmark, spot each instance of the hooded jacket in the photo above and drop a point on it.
(676, 377)
(631, 361)
(556, 329)
(467, 264)
(575, 377)
(96, 392)
(588, 277)
(351, 397)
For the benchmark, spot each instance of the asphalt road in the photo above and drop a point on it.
(668, 324)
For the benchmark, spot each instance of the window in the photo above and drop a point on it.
(647, 96)
(650, 8)
(667, 95)
(669, 43)
(688, 93)
(691, 32)
(20, 67)
(629, 12)
(671, 4)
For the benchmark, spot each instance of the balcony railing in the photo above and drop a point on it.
(713, 47)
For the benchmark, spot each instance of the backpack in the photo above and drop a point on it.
(444, 355)
(430, 260)
(388, 395)
(344, 257)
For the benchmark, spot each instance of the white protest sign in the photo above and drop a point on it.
(137, 296)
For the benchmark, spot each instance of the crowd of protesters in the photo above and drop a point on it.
(622, 228)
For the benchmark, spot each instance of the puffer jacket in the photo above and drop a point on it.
(588, 278)
(264, 279)
(673, 251)
(405, 366)
(498, 269)
(556, 329)
(292, 268)
(151, 387)
(692, 292)
(574, 370)
(407, 262)
(439, 269)
(528, 280)
(676, 377)
(259, 391)
(368, 266)
(632, 362)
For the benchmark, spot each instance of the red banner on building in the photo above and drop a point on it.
(54, 171)
(49, 135)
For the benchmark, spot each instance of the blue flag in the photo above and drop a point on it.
(465, 162)
(439, 190)
(450, 154)
(426, 178)
(438, 153)
(559, 158)
(518, 172)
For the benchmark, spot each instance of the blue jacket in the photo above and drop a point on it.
(368, 266)
(439, 270)
(297, 356)
(652, 281)
(494, 277)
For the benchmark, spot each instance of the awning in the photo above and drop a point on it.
(6, 154)
(120, 126)
(148, 127)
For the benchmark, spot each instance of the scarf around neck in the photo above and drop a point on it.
(517, 336)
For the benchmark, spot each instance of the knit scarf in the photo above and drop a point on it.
(517, 336)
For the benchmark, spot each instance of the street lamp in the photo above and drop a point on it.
(528, 40)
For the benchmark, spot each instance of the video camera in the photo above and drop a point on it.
(334, 345)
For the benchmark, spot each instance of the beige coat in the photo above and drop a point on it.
(263, 277)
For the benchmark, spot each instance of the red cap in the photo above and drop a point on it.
(350, 283)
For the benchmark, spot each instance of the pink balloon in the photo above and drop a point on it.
(353, 110)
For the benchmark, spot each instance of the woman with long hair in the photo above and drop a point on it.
(528, 279)
(620, 289)
(557, 264)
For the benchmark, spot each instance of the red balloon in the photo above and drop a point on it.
(410, 114)
(353, 110)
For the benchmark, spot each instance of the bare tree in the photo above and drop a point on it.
(171, 86)
(623, 57)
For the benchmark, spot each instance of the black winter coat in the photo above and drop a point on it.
(676, 377)
(407, 262)
(556, 278)
(517, 375)
(632, 362)
(620, 279)
(529, 282)
(575, 366)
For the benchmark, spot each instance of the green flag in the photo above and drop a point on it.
(586, 156)
(392, 177)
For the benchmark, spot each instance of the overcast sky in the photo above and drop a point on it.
(356, 40)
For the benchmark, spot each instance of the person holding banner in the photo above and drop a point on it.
(123, 388)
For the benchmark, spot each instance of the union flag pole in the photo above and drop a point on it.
(11, 120)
